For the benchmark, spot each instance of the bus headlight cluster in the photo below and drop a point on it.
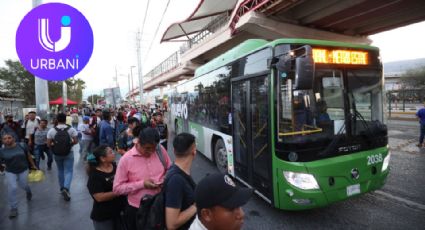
(386, 161)
(301, 180)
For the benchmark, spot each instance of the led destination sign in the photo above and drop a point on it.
(350, 57)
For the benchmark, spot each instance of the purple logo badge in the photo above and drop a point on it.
(54, 41)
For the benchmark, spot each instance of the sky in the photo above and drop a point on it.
(115, 24)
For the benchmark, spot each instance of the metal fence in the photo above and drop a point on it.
(404, 103)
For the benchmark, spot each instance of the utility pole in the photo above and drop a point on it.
(129, 90)
(41, 87)
(92, 100)
(116, 77)
(64, 96)
(139, 65)
(132, 84)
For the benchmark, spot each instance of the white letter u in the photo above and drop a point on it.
(46, 42)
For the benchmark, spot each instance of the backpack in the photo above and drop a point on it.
(151, 212)
(62, 142)
(144, 118)
(74, 119)
(122, 140)
(95, 131)
(162, 128)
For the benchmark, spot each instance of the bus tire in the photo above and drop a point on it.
(220, 156)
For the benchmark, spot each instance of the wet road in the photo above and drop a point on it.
(400, 204)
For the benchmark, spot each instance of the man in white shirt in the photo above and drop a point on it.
(86, 137)
(29, 128)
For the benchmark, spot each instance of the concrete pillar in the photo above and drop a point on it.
(41, 88)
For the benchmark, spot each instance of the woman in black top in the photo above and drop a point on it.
(107, 205)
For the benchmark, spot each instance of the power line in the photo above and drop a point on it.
(144, 19)
(157, 29)
(139, 55)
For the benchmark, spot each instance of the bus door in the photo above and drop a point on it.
(250, 112)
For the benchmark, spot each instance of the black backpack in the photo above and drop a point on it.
(151, 212)
(62, 142)
(162, 128)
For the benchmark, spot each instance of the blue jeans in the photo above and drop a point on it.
(13, 180)
(421, 137)
(103, 225)
(65, 169)
(38, 152)
(86, 147)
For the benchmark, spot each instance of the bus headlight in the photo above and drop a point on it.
(301, 180)
(386, 162)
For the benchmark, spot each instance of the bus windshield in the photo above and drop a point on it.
(344, 106)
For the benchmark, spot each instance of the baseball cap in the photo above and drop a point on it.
(86, 118)
(220, 190)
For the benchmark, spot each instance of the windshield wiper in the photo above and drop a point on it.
(328, 150)
(357, 114)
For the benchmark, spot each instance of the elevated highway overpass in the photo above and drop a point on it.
(218, 25)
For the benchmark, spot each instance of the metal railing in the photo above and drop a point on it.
(168, 64)
(208, 30)
(173, 61)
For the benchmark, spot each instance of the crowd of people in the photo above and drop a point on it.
(127, 161)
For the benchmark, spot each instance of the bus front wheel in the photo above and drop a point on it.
(220, 156)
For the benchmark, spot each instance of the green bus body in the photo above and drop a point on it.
(339, 177)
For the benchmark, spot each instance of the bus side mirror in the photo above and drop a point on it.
(304, 72)
(284, 64)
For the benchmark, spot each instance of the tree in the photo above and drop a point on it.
(413, 84)
(93, 98)
(413, 78)
(17, 81)
(75, 89)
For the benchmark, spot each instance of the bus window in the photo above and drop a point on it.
(257, 62)
(296, 111)
(332, 93)
(365, 86)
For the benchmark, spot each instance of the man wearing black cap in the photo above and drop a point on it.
(218, 203)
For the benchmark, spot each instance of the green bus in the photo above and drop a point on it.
(300, 121)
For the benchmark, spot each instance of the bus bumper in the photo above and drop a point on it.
(342, 187)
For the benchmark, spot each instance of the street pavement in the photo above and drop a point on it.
(400, 204)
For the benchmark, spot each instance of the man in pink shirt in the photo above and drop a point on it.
(140, 172)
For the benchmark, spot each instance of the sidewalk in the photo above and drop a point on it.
(47, 210)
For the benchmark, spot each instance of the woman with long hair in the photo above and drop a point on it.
(107, 205)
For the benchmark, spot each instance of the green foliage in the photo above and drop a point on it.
(414, 78)
(94, 98)
(16, 81)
